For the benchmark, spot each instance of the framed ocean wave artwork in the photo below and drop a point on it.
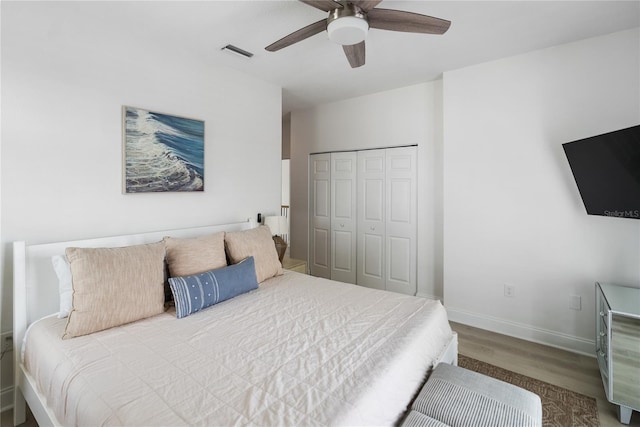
(162, 152)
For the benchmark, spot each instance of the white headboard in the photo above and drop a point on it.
(35, 285)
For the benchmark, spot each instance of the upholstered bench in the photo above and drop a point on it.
(454, 396)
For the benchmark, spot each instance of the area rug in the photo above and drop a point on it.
(560, 407)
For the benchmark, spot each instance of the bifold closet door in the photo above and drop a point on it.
(363, 218)
(401, 220)
(387, 219)
(343, 216)
(320, 215)
(371, 222)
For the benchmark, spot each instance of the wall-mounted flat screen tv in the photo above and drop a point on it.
(607, 172)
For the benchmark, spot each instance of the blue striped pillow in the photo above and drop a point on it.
(198, 291)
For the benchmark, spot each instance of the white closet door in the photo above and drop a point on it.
(401, 222)
(343, 216)
(371, 223)
(319, 214)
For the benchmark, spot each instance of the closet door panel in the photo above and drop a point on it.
(371, 223)
(343, 216)
(401, 220)
(320, 249)
(342, 256)
(373, 161)
(321, 211)
(373, 200)
(399, 259)
(400, 201)
(319, 215)
(371, 253)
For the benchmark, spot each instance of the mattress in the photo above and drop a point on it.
(299, 350)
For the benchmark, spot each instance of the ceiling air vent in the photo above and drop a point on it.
(236, 50)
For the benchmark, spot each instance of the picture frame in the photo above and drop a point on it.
(161, 152)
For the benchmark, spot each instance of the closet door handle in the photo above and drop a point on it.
(342, 225)
(372, 228)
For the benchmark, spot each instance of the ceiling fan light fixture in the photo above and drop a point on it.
(348, 30)
(348, 25)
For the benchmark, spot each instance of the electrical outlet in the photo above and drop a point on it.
(509, 291)
(7, 343)
(575, 302)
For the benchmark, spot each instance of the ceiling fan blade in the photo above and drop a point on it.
(355, 54)
(366, 5)
(296, 36)
(326, 5)
(408, 22)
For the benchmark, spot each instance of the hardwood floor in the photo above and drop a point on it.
(562, 368)
(565, 369)
(6, 419)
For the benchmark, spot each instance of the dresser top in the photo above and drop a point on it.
(622, 299)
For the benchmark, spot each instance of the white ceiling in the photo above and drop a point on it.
(316, 71)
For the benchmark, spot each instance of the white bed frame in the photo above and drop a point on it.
(35, 295)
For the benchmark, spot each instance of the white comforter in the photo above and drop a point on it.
(297, 351)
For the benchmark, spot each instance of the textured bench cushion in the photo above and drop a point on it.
(459, 397)
(417, 419)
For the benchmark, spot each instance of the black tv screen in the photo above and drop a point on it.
(607, 171)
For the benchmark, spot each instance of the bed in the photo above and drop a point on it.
(298, 350)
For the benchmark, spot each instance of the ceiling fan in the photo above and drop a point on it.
(350, 20)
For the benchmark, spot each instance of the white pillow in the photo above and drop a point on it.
(65, 287)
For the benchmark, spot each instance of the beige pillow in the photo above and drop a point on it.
(114, 286)
(257, 243)
(192, 256)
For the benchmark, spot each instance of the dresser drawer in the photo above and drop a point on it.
(625, 360)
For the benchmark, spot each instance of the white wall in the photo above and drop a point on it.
(513, 214)
(406, 116)
(286, 182)
(65, 76)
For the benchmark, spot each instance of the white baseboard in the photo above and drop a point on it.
(6, 399)
(522, 331)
